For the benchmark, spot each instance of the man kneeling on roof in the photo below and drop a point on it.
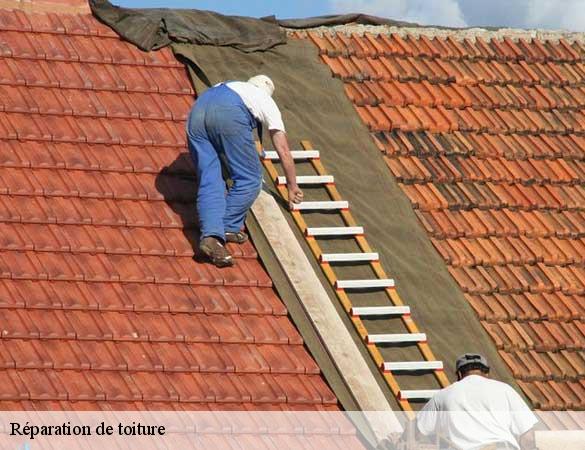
(220, 136)
(477, 412)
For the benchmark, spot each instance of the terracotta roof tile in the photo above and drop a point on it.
(96, 259)
(485, 138)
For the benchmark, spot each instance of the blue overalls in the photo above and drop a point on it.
(220, 125)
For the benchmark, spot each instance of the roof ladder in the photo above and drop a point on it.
(390, 311)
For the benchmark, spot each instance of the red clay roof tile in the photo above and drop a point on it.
(506, 213)
(89, 277)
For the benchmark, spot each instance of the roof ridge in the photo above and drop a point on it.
(47, 6)
(443, 32)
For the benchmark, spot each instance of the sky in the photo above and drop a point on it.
(550, 14)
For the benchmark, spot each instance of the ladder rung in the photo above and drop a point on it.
(396, 338)
(365, 284)
(379, 310)
(326, 205)
(296, 154)
(309, 179)
(422, 394)
(334, 231)
(341, 257)
(412, 365)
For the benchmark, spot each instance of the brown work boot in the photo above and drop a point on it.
(237, 238)
(216, 252)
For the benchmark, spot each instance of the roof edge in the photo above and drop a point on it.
(47, 6)
(442, 32)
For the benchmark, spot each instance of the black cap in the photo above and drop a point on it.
(471, 358)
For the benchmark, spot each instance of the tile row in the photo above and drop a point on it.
(526, 306)
(541, 337)
(89, 405)
(454, 169)
(90, 103)
(95, 157)
(109, 240)
(139, 297)
(483, 145)
(72, 385)
(429, 196)
(450, 47)
(477, 223)
(85, 325)
(563, 419)
(544, 366)
(97, 184)
(52, 266)
(155, 356)
(516, 279)
(455, 96)
(80, 48)
(500, 251)
(463, 72)
(497, 121)
(93, 76)
(95, 211)
(71, 24)
(93, 130)
(556, 396)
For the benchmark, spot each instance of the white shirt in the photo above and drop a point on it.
(260, 104)
(476, 411)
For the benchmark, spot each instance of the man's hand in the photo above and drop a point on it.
(295, 195)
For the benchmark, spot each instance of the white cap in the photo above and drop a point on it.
(263, 82)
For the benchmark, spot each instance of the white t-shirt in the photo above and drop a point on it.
(260, 104)
(476, 411)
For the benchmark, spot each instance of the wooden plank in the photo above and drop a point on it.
(349, 257)
(365, 311)
(309, 179)
(334, 231)
(418, 394)
(364, 284)
(322, 313)
(396, 366)
(321, 205)
(296, 155)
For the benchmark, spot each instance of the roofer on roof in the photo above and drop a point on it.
(220, 135)
(476, 412)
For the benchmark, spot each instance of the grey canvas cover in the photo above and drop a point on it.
(154, 28)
